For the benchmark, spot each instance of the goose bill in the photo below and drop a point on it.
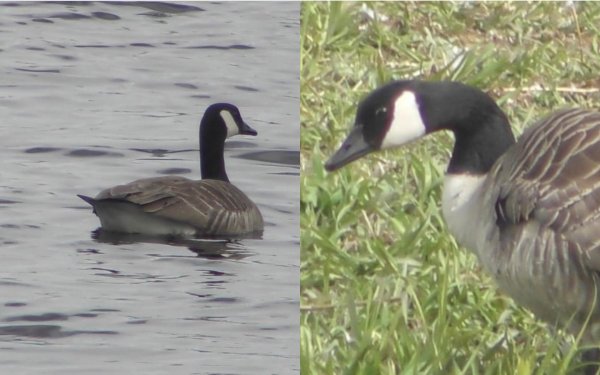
(247, 130)
(353, 148)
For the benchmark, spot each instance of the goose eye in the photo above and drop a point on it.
(380, 111)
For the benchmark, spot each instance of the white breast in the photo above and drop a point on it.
(461, 205)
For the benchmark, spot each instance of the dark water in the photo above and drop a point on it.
(97, 94)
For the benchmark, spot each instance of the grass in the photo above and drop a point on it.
(384, 288)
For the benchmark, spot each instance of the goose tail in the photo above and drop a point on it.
(89, 200)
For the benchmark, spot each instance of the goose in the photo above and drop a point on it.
(529, 209)
(177, 206)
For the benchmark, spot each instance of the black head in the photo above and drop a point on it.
(374, 118)
(403, 111)
(223, 120)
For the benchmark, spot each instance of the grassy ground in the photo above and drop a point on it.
(385, 288)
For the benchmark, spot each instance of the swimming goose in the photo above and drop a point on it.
(530, 210)
(177, 206)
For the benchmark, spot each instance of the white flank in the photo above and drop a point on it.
(130, 218)
(407, 124)
(232, 128)
(461, 205)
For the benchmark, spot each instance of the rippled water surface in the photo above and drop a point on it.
(97, 94)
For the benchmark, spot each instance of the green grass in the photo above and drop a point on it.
(384, 288)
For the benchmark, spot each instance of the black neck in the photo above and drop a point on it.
(476, 151)
(481, 130)
(212, 146)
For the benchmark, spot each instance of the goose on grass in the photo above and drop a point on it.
(529, 210)
(177, 206)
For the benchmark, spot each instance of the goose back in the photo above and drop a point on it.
(212, 207)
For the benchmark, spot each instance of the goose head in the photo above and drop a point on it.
(223, 120)
(220, 121)
(401, 112)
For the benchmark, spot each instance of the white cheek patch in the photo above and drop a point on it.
(407, 124)
(232, 128)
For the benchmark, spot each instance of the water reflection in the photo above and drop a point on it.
(203, 248)
(44, 331)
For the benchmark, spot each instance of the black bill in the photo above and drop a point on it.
(353, 148)
(247, 130)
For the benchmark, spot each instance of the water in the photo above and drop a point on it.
(97, 94)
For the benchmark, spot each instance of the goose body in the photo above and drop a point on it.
(177, 206)
(529, 210)
(544, 195)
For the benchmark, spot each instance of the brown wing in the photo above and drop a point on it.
(552, 177)
(545, 195)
